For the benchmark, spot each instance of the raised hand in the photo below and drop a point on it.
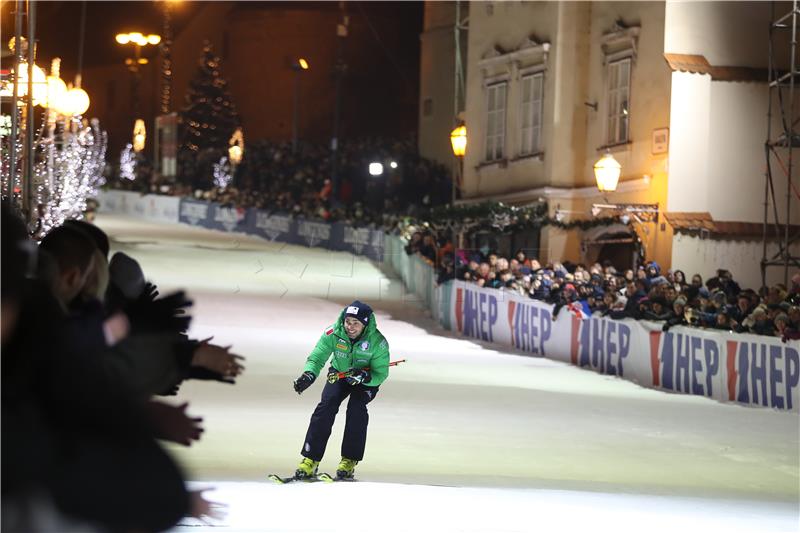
(203, 509)
(217, 359)
(173, 424)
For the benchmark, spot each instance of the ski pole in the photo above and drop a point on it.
(333, 377)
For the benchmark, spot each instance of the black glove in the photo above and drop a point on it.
(357, 376)
(166, 314)
(149, 293)
(200, 373)
(304, 381)
(171, 390)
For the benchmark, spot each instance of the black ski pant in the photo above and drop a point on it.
(355, 428)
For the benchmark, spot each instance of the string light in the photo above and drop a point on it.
(222, 173)
(77, 174)
(127, 163)
(6, 163)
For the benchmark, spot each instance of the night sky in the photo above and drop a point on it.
(59, 22)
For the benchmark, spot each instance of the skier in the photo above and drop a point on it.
(361, 351)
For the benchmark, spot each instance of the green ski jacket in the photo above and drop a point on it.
(370, 350)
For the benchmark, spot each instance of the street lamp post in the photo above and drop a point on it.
(458, 140)
(340, 67)
(139, 41)
(606, 173)
(299, 67)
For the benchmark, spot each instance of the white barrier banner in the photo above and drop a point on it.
(108, 201)
(150, 206)
(113, 201)
(748, 369)
(161, 208)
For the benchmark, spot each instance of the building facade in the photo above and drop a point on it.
(553, 86)
(441, 96)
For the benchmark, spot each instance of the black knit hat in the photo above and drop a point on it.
(358, 310)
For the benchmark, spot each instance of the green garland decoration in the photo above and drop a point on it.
(497, 216)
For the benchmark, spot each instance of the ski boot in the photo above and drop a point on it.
(306, 469)
(346, 468)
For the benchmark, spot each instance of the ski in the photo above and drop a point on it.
(330, 479)
(325, 478)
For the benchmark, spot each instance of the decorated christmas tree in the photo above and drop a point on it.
(207, 121)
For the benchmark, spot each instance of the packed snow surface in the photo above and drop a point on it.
(465, 436)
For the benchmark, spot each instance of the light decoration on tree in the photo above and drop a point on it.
(207, 120)
(222, 173)
(127, 163)
(77, 174)
(68, 153)
(6, 163)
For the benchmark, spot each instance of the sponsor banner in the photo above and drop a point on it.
(227, 218)
(275, 227)
(278, 228)
(742, 368)
(442, 313)
(375, 250)
(128, 202)
(607, 346)
(160, 208)
(109, 201)
(314, 234)
(336, 241)
(394, 254)
(195, 212)
(149, 206)
(747, 369)
(357, 240)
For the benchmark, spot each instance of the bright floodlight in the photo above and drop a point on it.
(302, 63)
(393, 164)
(375, 169)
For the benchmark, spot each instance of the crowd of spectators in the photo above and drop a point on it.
(274, 178)
(645, 293)
(87, 348)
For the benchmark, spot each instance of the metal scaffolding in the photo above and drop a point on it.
(780, 145)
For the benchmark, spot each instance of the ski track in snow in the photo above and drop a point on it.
(465, 436)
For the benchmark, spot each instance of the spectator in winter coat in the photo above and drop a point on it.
(794, 292)
(522, 258)
(679, 280)
(761, 324)
(724, 321)
(657, 310)
(742, 310)
(428, 249)
(783, 327)
(414, 244)
(73, 252)
(678, 314)
(634, 293)
(794, 316)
